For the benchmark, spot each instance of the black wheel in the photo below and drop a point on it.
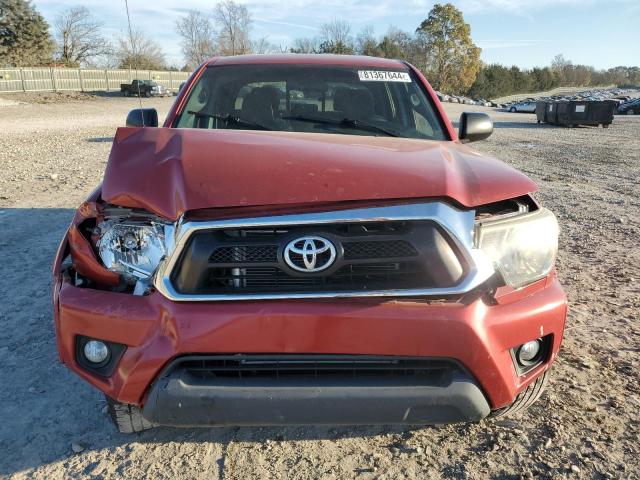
(127, 418)
(147, 94)
(513, 110)
(630, 111)
(126, 93)
(605, 125)
(526, 398)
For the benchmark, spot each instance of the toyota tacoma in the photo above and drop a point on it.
(307, 240)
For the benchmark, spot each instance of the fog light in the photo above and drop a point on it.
(96, 351)
(528, 352)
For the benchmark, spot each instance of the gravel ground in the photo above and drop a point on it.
(586, 425)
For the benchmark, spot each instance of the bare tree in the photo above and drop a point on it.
(304, 45)
(262, 45)
(139, 51)
(336, 37)
(234, 21)
(78, 36)
(337, 31)
(198, 37)
(366, 42)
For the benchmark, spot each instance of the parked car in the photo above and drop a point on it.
(346, 260)
(144, 88)
(526, 107)
(631, 107)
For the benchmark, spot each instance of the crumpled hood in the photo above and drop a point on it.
(169, 171)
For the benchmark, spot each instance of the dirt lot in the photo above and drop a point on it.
(586, 426)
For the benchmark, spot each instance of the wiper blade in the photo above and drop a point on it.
(228, 118)
(345, 123)
(368, 126)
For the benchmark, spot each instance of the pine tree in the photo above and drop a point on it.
(24, 35)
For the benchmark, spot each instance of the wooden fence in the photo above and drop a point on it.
(80, 79)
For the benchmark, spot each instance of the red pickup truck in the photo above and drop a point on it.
(306, 240)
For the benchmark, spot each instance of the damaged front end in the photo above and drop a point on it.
(113, 248)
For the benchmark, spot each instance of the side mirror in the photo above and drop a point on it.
(474, 126)
(142, 117)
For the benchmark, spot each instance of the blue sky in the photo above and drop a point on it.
(527, 33)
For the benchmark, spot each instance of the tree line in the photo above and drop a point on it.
(441, 47)
(494, 81)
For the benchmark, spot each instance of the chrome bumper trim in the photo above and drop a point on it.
(458, 223)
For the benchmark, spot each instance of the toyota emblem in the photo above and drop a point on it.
(310, 254)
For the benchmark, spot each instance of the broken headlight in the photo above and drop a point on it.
(522, 247)
(132, 249)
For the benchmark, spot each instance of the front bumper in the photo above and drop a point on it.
(180, 398)
(477, 334)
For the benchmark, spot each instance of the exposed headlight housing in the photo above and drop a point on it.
(130, 248)
(522, 248)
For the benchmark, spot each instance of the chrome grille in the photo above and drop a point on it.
(432, 243)
(404, 255)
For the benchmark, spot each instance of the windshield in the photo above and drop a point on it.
(319, 99)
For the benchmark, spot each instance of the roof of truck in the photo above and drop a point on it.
(309, 59)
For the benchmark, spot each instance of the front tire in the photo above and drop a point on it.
(513, 110)
(127, 418)
(630, 112)
(525, 398)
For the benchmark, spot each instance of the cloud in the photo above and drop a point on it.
(286, 24)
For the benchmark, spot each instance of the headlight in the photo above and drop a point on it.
(132, 249)
(522, 248)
